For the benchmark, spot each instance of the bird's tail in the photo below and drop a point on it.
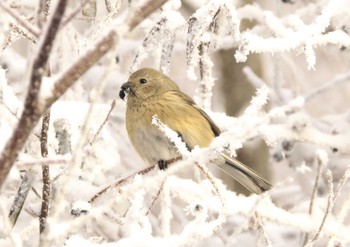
(244, 175)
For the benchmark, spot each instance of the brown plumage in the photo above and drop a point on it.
(152, 93)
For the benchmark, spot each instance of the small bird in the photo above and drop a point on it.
(149, 93)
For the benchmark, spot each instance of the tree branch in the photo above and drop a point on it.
(31, 113)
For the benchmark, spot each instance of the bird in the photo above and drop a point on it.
(148, 93)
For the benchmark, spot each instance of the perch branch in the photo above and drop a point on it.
(126, 179)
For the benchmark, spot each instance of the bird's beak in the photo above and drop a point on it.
(125, 89)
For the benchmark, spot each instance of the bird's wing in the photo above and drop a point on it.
(192, 134)
(214, 127)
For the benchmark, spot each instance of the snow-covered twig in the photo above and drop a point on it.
(74, 13)
(161, 37)
(338, 80)
(161, 187)
(104, 122)
(253, 77)
(43, 11)
(31, 112)
(202, 21)
(23, 33)
(172, 135)
(129, 178)
(204, 89)
(304, 39)
(142, 12)
(24, 23)
(22, 193)
(320, 165)
(276, 132)
(330, 204)
(261, 229)
(342, 213)
(49, 161)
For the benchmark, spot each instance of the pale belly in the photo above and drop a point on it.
(153, 145)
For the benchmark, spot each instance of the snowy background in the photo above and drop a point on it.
(274, 75)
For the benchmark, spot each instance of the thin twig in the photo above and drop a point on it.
(329, 207)
(313, 195)
(43, 12)
(128, 178)
(46, 191)
(31, 112)
(143, 12)
(21, 196)
(204, 90)
(121, 182)
(36, 193)
(261, 229)
(74, 13)
(31, 212)
(211, 178)
(104, 122)
(80, 66)
(339, 79)
(24, 23)
(342, 213)
(48, 161)
(203, 49)
(22, 33)
(156, 197)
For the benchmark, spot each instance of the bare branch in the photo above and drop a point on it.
(80, 66)
(204, 90)
(313, 195)
(156, 197)
(330, 204)
(33, 110)
(261, 229)
(23, 33)
(21, 196)
(24, 23)
(104, 122)
(31, 113)
(143, 12)
(46, 191)
(338, 80)
(43, 11)
(211, 178)
(49, 161)
(74, 13)
(127, 179)
(120, 182)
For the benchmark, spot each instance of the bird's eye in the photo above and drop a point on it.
(143, 81)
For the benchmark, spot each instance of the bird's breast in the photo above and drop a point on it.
(148, 140)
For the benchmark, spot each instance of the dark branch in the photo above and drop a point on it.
(31, 112)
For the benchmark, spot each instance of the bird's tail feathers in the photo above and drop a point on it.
(244, 175)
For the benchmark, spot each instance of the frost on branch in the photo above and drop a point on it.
(287, 37)
(104, 194)
(160, 38)
(220, 18)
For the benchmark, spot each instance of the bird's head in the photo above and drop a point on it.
(145, 83)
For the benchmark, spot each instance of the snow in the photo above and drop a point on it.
(299, 108)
